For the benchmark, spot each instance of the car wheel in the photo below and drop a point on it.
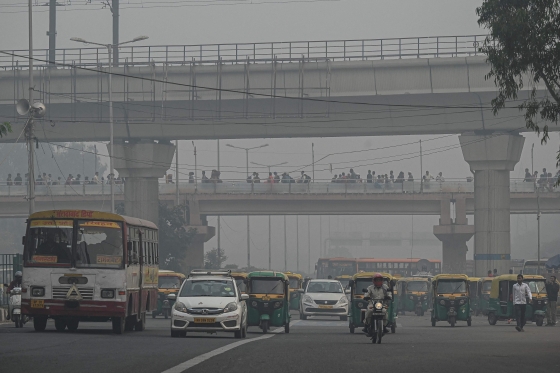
(352, 328)
(244, 335)
(238, 334)
(302, 316)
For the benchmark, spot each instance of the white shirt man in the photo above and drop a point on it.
(520, 293)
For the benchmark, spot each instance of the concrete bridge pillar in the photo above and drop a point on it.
(195, 252)
(491, 157)
(142, 163)
(454, 235)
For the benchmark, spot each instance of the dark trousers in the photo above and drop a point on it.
(520, 314)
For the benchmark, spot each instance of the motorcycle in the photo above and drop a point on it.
(14, 308)
(375, 327)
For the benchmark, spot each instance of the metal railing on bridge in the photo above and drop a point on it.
(331, 50)
(263, 187)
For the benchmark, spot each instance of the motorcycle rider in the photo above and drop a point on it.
(16, 283)
(377, 291)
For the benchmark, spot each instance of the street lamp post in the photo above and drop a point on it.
(110, 48)
(269, 217)
(248, 224)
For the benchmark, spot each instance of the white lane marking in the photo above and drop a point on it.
(201, 358)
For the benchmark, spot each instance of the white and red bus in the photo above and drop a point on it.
(82, 265)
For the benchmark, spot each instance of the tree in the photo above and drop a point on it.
(174, 239)
(523, 48)
(5, 128)
(214, 259)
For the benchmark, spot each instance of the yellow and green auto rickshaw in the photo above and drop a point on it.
(450, 299)
(501, 299)
(269, 300)
(484, 294)
(357, 308)
(412, 295)
(344, 280)
(474, 294)
(169, 282)
(296, 282)
(241, 281)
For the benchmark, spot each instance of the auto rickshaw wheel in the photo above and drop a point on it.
(393, 328)
(60, 325)
(140, 325)
(352, 328)
(539, 320)
(469, 321)
(452, 321)
(166, 313)
(302, 316)
(287, 328)
(264, 326)
(380, 330)
(492, 319)
(154, 314)
(433, 322)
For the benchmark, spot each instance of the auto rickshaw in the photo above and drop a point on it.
(484, 294)
(296, 282)
(474, 294)
(344, 280)
(269, 300)
(357, 307)
(240, 281)
(450, 299)
(501, 299)
(169, 282)
(412, 295)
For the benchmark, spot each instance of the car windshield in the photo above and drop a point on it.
(365, 282)
(417, 286)
(99, 244)
(294, 283)
(451, 286)
(486, 286)
(169, 282)
(208, 288)
(536, 286)
(272, 285)
(49, 242)
(241, 286)
(324, 287)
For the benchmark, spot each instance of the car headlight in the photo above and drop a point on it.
(180, 306)
(442, 302)
(461, 302)
(307, 299)
(38, 292)
(230, 307)
(360, 305)
(343, 300)
(277, 304)
(107, 293)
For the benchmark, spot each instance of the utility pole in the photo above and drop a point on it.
(285, 247)
(321, 236)
(115, 11)
(538, 233)
(532, 164)
(269, 244)
(52, 32)
(219, 230)
(177, 172)
(297, 243)
(31, 156)
(308, 244)
(313, 160)
(421, 170)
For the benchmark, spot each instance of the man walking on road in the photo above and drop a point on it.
(552, 289)
(521, 292)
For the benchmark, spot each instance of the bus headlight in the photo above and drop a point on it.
(38, 292)
(107, 293)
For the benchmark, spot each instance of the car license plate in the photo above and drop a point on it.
(204, 320)
(37, 303)
(327, 307)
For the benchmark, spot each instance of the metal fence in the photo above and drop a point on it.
(9, 264)
(241, 186)
(332, 50)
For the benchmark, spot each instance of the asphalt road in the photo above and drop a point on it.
(314, 345)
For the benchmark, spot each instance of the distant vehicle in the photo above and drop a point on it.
(324, 298)
(335, 267)
(88, 265)
(531, 267)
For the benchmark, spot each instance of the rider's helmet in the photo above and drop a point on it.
(18, 274)
(378, 279)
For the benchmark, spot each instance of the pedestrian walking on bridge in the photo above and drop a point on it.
(521, 292)
(552, 289)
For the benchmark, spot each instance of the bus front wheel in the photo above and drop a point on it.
(39, 323)
(118, 325)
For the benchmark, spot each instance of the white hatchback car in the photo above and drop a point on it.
(324, 298)
(209, 301)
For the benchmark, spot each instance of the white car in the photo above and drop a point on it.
(324, 298)
(209, 301)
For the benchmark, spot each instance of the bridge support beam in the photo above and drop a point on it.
(454, 235)
(492, 157)
(142, 163)
(195, 252)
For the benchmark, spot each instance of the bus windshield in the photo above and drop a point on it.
(49, 242)
(100, 244)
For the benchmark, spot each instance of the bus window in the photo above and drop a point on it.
(99, 244)
(49, 242)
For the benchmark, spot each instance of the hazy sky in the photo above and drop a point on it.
(214, 21)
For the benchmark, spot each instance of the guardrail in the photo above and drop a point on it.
(263, 187)
(332, 50)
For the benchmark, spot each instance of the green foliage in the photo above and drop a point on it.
(5, 128)
(214, 261)
(523, 49)
(174, 239)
